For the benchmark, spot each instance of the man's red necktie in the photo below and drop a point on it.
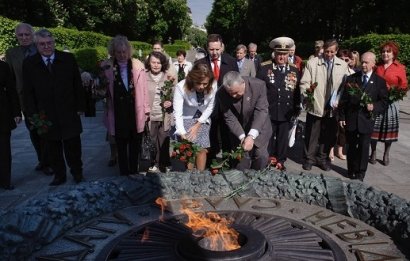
(216, 69)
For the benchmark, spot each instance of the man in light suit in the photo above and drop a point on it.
(245, 110)
(52, 85)
(359, 119)
(328, 72)
(246, 66)
(14, 57)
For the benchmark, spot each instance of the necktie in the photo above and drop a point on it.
(281, 68)
(49, 65)
(365, 79)
(216, 69)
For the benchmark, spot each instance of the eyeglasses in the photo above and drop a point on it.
(44, 44)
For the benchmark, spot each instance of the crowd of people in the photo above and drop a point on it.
(218, 103)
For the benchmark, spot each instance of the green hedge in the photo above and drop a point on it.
(88, 58)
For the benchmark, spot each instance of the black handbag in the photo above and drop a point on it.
(148, 149)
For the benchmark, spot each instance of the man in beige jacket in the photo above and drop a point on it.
(329, 73)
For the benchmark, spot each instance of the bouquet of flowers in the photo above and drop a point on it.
(354, 90)
(310, 99)
(185, 151)
(226, 157)
(397, 94)
(40, 123)
(167, 93)
(290, 81)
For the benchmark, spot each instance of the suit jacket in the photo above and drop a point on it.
(15, 57)
(228, 63)
(249, 112)
(282, 90)
(356, 116)
(9, 103)
(60, 94)
(248, 68)
(257, 61)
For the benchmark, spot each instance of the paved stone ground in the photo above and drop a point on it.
(29, 184)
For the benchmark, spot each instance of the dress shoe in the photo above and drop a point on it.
(112, 162)
(307, 166)
(57, 182)
(48, 171)
(324, 166)
(78, 179)
(360, 176)
(7, 187)
(38, 167)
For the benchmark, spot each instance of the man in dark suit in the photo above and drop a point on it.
(254, 56)
(14, 57)
(245, 110)
(9, 115)
(221, 63)
(282, 82)
(358, 117)
(52, 85)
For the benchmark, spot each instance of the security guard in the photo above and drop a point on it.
(282, 82)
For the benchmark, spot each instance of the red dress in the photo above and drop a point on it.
(386, 127)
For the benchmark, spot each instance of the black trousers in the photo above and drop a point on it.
(70, 149)
(39, 145)
(278, 143)
(162, 141)
(5, 159)
(358, 146)
(128, 152)
(320, 137)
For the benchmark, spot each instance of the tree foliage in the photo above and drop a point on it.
(137, 19)
(243, 21)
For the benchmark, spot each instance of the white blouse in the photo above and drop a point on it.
(185, 106)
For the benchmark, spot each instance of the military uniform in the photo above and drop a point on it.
(283, 93)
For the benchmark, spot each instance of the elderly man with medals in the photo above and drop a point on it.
(282, 82)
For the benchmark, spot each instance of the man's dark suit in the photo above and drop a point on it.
(249, 112)
(9, 109)
(60, 95)
(228, 63)
(360, 122)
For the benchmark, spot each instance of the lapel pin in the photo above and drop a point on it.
(248, 98)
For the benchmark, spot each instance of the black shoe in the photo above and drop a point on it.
(112, 162)
(324, 166)
(38, 167)
(48, 171)
(307, 166)
(78, 179)
(57, 181)
(360, 176)
(7, 187)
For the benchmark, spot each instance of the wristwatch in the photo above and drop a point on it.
(253, 137)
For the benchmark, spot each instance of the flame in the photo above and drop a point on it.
(162, 203)
(214, 229)
(145, 235)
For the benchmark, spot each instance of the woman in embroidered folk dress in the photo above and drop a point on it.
(127, 102)
(386, 127)
(161, 118)
(193, 104)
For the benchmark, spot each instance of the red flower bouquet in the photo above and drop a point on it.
(310, 99)
(185, 151)
(397, 93)
(40, 123)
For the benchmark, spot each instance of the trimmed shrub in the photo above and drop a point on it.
(88, 58)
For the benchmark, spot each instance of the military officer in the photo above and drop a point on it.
(282, 82)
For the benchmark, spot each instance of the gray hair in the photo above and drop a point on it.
(24, 25)
(232, 78)
(43, 33)
(117, 42)
(252, 45)
(240, 47)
